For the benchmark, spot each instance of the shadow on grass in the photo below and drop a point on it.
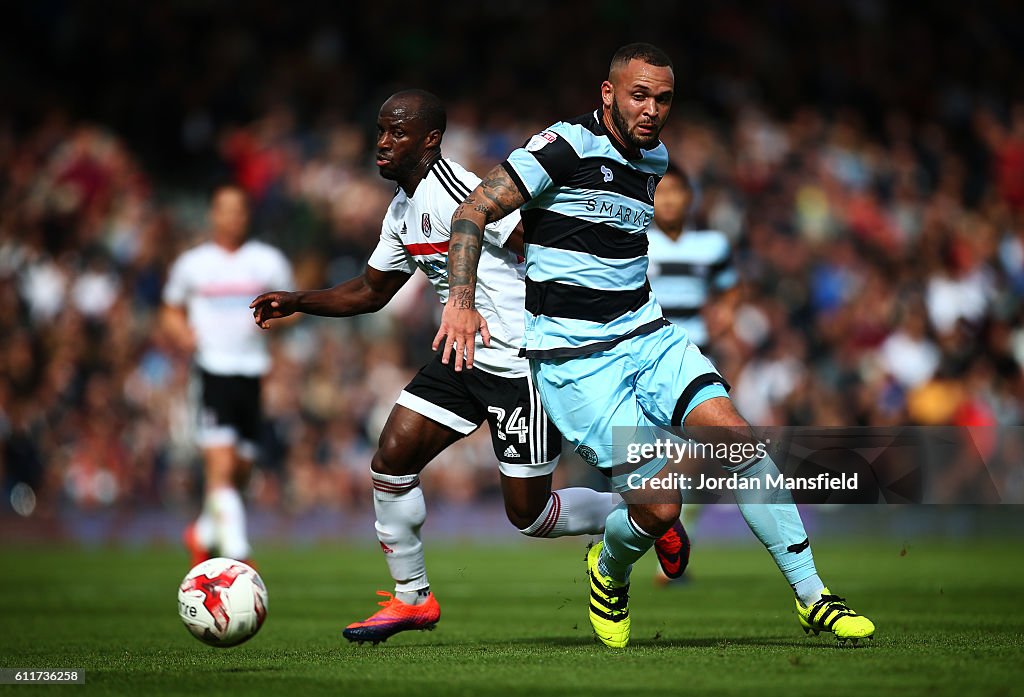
(583, 642)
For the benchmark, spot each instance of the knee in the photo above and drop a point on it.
(522, 516)
(666, 513)
(391, 458)
(656, 518)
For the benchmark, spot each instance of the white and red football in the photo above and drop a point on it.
(223, 602)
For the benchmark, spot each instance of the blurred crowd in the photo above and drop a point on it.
(880, 246)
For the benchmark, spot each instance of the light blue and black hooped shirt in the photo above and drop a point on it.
(585, 220)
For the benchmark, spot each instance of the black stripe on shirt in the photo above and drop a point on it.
(695, 269)
(447, 186)
(592, 122)
(554, 299)
(446, 170)
(606, 174)
(517, 180)
(679, 312)
(551, 229)
(557, 157)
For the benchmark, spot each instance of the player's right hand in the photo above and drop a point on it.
(273, 305)
(458, 330)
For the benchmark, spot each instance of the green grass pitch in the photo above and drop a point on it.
(950, 621)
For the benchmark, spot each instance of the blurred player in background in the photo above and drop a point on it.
(441, 406)
(691, 274)
(602, 354)
(205, 299)
(691, 271)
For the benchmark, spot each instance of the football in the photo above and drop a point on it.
(223, 602)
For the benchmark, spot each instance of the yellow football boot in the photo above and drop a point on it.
(832, 614)
(609, 604)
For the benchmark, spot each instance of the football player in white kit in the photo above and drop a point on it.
(205, 297)
(441, 406)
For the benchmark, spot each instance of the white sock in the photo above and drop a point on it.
(206, 532)
(228, 513)
(417, 597)
(575, 511)
(398, 503)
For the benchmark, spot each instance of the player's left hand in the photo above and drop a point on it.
(459, 326)
(273, 305)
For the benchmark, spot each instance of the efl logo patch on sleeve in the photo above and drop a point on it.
(540, 140)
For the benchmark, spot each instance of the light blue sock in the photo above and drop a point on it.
(624, 543)
(774, 519)
(809, 590)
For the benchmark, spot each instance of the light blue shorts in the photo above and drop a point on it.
(603, 401)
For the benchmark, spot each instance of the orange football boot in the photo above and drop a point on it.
(395, 617)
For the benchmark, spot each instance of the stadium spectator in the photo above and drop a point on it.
(829, 175)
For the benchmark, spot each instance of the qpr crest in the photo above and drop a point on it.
(425, 224)
(651, 186)
(588, 454)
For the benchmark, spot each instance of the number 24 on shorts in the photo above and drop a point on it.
(516, 424)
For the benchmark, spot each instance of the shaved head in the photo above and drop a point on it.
(648, 53)
(418, 105)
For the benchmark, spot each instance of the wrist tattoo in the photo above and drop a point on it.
(462, 298)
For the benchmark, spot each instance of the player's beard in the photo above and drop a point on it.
(623, 128)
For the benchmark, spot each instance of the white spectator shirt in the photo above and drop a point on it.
(215, 286)
(415, 234)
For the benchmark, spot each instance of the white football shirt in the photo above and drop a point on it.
(415, 234)
(215, 286)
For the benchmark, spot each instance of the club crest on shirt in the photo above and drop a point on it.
(588, 454)
(607, 173)
(425, 224)
(651, 186)
(404, 229)
(540, 140)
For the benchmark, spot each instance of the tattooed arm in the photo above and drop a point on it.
(495, 197)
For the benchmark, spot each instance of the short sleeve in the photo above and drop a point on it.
(176, 289)
(444, 205)
(547, 159)
(498, 232)
(390, 255)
